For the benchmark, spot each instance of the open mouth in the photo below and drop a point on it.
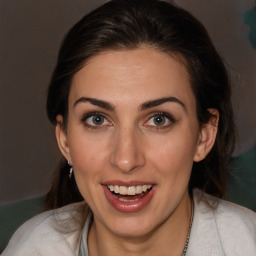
(130, 193)
(129, 198)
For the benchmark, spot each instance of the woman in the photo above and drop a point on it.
(141, 104)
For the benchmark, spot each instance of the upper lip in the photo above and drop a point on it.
(126, 183)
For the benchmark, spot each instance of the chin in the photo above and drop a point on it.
(133, 226)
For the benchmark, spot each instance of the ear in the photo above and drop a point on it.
(61, 137)
(207, 136)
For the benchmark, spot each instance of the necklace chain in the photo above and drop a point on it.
(189, 230)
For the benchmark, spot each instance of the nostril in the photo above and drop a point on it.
(126, 155)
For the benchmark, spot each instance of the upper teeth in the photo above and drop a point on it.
(131, 190)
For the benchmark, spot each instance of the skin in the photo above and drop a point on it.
(130, 146)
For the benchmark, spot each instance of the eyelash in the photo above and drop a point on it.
(84, 120)
(167, 116)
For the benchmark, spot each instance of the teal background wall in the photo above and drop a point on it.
(241, 179)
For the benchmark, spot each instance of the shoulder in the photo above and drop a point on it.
(53, 232)
(231, 226)
(227, 212)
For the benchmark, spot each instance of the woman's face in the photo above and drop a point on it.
(132, 136)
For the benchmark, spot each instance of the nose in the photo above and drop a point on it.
(127, 154)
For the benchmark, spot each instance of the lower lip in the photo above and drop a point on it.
(128, 207)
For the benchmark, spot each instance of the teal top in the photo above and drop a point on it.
(83, 250)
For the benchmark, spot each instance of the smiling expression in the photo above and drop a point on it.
(132, 136)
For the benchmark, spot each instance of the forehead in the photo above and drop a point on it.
(135, 75)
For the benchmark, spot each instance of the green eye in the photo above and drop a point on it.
(160, 120)
(95, 120)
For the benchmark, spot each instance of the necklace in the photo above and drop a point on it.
(188, 236)
(84, 248)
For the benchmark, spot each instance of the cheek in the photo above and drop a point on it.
(173, 155)
(88, 154)
(89, 161)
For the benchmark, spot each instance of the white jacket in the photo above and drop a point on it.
(228, 230)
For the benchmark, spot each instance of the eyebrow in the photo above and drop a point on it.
(157, 102)
(146, 105)
(96, 102)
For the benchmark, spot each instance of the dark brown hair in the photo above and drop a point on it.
(129, 24)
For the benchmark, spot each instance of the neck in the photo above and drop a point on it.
(168, 239)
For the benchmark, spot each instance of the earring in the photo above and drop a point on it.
(70, 170)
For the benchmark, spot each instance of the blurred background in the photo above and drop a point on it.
(31, 32)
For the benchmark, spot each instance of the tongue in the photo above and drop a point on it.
(127, 197)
